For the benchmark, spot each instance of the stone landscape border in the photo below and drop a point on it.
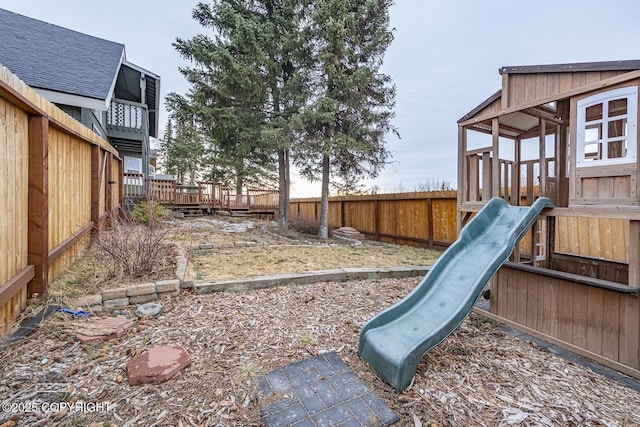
(152, 291)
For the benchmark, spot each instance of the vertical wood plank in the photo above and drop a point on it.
(554, 316)
(634, 254)
(533, 299)
(629, 342)
(38, 202)
(542, 157)
(595, 310)
(565, 310)
(495, 163)
(511, 290)
(611, 325)
(5, 193)
(487, 182)
(521, 298)
(462, 166)
(95, 182)
(580, 317)
(430, 236)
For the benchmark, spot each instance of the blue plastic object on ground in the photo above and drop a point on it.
(396, 339)
(79, 313)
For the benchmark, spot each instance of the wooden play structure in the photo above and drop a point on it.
(568, 132)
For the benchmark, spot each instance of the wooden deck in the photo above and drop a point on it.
(205, 197)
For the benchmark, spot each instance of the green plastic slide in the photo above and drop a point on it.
(396, 339)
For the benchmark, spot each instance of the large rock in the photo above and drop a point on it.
(157, 364)
(103, 329)
(349, 233)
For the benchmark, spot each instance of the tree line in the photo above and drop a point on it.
(282, 83)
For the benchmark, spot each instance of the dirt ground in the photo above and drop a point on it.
(479, 376)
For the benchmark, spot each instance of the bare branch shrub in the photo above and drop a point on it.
(306, 225)
(133, 249)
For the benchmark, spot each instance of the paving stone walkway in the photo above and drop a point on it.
(320, 391)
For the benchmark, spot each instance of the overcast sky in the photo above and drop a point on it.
(444, 60)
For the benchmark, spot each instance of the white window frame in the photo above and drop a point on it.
(631, 94)
(132, 164)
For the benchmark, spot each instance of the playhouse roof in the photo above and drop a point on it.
(628, 65)
(59, 60)
(535, 94)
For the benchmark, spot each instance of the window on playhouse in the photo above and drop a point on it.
(607, 128)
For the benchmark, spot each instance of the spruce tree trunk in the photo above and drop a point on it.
(239, 190)
(323, 232)
(283, 188)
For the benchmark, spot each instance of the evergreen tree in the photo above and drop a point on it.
(165, 143)
(183, 148)
(245, 86)
(350, 116)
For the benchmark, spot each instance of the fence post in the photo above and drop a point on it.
(38, 217)
(430, 221)
(376, 218)
(108, 189)
(95, 189)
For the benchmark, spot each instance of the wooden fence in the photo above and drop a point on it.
(58, 181)
(420, 219)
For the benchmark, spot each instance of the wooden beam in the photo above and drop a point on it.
(495, 163)
(16, 98)
(504, 99)
(517, 154)
(38, 216)
(430, 222)
(15, 284)
(462, 165)
(505, 131)
(542, 147)
(95, 187)
(59, 250)
(542, 113)
(107, 189)
(634, 254)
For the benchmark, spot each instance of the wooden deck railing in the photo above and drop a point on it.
(133, 185)
(205, 194)
(162, 191)
(263, 198)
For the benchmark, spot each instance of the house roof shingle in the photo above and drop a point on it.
(50, 57)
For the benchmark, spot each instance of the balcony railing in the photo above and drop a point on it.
(127, 120)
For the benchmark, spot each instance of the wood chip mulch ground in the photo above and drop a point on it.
(479, 376)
